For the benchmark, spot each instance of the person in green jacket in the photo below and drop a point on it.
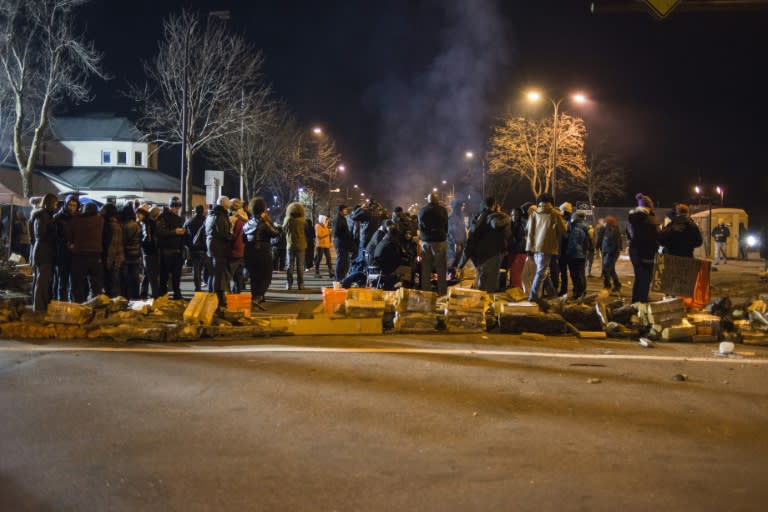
(296, 243)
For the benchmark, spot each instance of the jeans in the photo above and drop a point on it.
(201, 265)
(319, 253)
(236, 267)
(720, 252)
(61, 284)
(577, 269)
(434, 255)
(541, 277)
(488, 274)
(643, 274)
(295, 260)
(609, 271)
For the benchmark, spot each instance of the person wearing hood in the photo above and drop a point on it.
(218, 236)
(85, 244)
(296, 244)
(576, 250)
(681, 236)
(643, 234)
(130, 272)
(487, 241)
(258, 232)
(323, 245)
(170, 245)
(43, 252)
(545, 228)
(610, 248)
(377, 237)
(343, 242)
(559, 263)
(457, 235)
(63, 218)
(194, 237)
(114, 250)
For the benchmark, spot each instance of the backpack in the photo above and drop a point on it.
(199, 240)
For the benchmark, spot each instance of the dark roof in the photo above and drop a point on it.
(117, 178)
(94, 127)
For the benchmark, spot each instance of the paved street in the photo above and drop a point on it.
(390, 422)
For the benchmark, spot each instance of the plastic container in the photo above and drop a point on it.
(333, 299)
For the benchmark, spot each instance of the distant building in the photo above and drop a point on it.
(99, 155)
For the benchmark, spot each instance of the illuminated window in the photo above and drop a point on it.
(106, 157)
(122, 158)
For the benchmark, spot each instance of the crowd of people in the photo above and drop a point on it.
(138, 250)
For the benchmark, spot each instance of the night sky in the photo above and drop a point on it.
(407, 86)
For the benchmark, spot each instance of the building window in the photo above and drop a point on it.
(138, 158)
(122, 158)
(106, 157)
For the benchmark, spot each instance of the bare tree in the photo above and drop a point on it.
(204, 84)
(44, 62)
(523, 148)
(604, 176)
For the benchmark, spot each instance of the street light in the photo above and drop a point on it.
(536, 96)
(721, 192)
(317, 130)
(698, 190)
(469, 155)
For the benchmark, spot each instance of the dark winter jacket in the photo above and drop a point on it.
(578, 241)
(721, 233)
(63, 220)
(342, 236)
(258, 236)
(643, 234)
(488, 235)
(680, 237)
(369, 219)
(610, 240)
(191, 228)
(167, 238)
(516, 243)
(218, 233)
(86, 231)
(44, 230)
(388, 254)
(132, 240)
(112, 240)
(433, 223)
(148, 236)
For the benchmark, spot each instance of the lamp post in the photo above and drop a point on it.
(534, 97)
(721, 192)
(469, 155)
(708, 238)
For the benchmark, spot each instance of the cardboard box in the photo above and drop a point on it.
(517, 308)
(415, 301)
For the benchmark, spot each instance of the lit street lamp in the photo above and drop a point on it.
(469, 155)
(534, 97)
(721, 192)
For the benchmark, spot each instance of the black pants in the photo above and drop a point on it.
(61, 284)
(577, 269)
(170, 266)
(259, 267)
(87, 276)
(201, 268)
(342, 262)
(129, 279)
(42, 291)
(150, 283)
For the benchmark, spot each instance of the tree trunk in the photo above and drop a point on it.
(188, 180)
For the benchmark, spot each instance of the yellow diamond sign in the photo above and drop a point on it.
(662, 8)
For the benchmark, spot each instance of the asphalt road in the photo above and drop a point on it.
(481, 422)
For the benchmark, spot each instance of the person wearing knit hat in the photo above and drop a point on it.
(170, 245)
(566, 207)
(63, 219)
(681, 236)
(643, 234)
(720, 234)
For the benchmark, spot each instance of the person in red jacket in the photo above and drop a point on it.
(85, 244)
(237, 217)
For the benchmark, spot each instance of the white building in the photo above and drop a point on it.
(101, 156)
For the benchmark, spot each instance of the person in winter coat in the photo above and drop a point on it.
(294, 224)
(343, 242)
(63, 219)
(369, 217)
(643, 235)
(278, 249)
(377, 237)
(560, 262)
(488, 235)
(457, 235)
(721, 234)
(21, 238)
(238, 218)
(579, 245)
(170, 245)
(114, 251)
(516, 254)
(147, 216)
(85, 244)
(194, 238)
(258, 232)
(131, 269)
(433, 233)
(388, 256)
(218, 233)
(43, 252)
(309, 234)
(546, 227)
(610, 248)
(322, 245)
(681, 236)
